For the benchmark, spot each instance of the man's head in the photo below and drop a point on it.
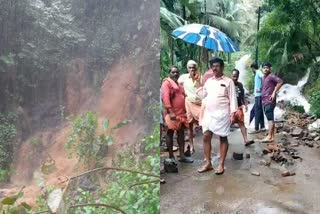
(192, 67)
(266, 68)
(235, 75)
(174, 73)
(217, 65)
(254, 67)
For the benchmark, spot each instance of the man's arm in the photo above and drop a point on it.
(233, 100)
(277, 88)
(166, 99)
(181, 79)
(243, 99)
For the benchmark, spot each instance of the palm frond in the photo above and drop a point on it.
(250, 40)
(284, 58)
(169, 21)
(232, 29)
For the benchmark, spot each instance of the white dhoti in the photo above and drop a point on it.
(218, 122)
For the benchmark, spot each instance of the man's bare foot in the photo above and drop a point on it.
(219, 171)
(205, 168)
(267, 140)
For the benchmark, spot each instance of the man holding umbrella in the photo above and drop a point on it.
(219, 106)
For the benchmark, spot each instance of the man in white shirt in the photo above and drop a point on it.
(191, 82)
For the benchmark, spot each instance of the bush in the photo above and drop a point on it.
(296, 108)
(249, 83)
(7, 133)
(315, 103)
(128, 191)
(84, 141)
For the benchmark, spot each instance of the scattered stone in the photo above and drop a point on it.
(287, 173)
(295, 156)
(315, 125)
(263, 162)
(297, 132)
(294, 144)
(317, 138)
(170, 166)
(310, 138)
(313, 134)
(255, 173)
(290, 162)
(310, 144)
(55, 199)
(162, 181)
(296, 138)
(237, 156)
(286, 128)
(248, 155)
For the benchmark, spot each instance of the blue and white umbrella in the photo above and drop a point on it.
(206, 36)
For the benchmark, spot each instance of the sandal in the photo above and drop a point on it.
(186, 160)
(205, 169)
(249, 143)
(219, 171)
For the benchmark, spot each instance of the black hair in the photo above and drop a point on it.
(254, 65)
(174, 66)
(236, 70)
(217, 60)
(266, 64)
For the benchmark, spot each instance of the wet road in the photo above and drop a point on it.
(237, 190)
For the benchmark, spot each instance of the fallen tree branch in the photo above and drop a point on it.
(116, 169)
(46, 211)
(138, 184)
(98, 205)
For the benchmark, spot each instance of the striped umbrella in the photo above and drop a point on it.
(206, 36)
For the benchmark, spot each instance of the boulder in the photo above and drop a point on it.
(297, 132)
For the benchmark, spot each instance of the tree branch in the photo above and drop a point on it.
(138, 184)
(98, 205)
(46, 211)
(116, 169)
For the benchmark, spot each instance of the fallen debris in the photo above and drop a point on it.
(255, 173)
(287, 173)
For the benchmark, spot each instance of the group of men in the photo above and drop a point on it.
(214, 102)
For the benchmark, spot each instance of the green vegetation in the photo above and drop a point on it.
(8, 132)
(225, 15)
(131, 192)
(315, 103)
(134, 191)
(296, 108)
(84, 141)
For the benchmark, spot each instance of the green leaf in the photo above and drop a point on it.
(122, 123)
(9, 60)
(109, 140)
(25, 205)
(105, 124)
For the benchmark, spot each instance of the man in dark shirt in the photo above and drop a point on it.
(242, 104)
(270, 86)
